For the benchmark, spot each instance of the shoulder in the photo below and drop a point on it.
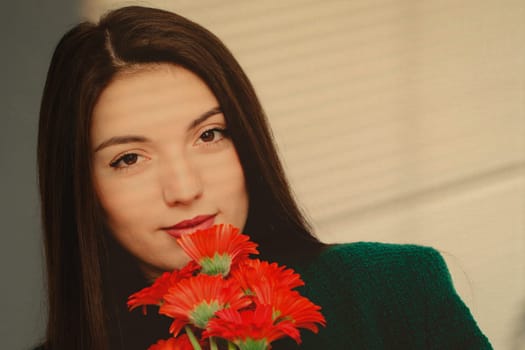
(377, 253)
(368, 274)
(381, 270)
(391, 294)
(376, 280)
(378, 259)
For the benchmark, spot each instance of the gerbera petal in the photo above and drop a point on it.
(252, 272)
(153, 295)
(180, 343)
(177, 325)
(217, 248)
(290, 305)
(249, 326)
(196, 299)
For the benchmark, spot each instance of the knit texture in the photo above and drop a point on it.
(386, 296)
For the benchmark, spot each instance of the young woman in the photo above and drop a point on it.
(149, 129)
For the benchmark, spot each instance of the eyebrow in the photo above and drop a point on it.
(119, 140)
(203, 117)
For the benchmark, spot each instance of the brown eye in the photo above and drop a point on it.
(130, 158)
(208, 135)
(212, 136)
(125, 160)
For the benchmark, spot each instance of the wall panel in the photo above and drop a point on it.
(399, 121)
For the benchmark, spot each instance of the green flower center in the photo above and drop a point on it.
(202, 313)
(252, 344)
(218, 264)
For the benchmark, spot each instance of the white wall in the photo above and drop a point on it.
(399, 121)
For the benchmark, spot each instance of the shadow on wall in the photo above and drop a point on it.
(519, 335)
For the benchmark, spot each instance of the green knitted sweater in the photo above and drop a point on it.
(386, 296)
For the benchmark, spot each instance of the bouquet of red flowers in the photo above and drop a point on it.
(222, 298)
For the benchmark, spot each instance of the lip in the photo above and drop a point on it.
(199, 222)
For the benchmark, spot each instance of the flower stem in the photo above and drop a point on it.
(193, 340)
(213, 344)
(231, 346)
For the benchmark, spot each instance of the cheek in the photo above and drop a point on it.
(224, 185)
(223, 176)
(127, 202)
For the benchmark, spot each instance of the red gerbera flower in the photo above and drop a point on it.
(256, 272)
(217, 248)
(195, 300)
(250, 329)
(289, 305)
(179, 343)
(153, 295)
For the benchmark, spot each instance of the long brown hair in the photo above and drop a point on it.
(84, 63)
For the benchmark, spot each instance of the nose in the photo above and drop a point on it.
(181, 182)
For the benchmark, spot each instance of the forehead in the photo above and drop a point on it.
(151, 95)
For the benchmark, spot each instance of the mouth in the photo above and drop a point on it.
(199, 222)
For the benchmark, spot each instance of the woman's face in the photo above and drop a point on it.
(163, 164)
